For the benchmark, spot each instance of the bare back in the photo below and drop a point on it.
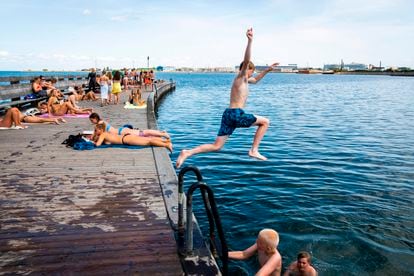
(110, 138)
(239, 91)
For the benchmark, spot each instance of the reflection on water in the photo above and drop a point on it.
(338, 182)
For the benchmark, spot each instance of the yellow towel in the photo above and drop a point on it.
(128, 105)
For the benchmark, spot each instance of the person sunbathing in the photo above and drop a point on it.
(55, 107)
(32, 119)
(82, 96)
(101, 136)
(11, 118)
(95, 119)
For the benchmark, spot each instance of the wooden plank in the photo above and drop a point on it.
(83, 212)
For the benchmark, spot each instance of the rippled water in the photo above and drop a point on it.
(339, 178)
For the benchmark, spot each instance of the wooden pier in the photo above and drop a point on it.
(93, 212)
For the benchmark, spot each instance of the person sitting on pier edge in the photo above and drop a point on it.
(302, 266)
(57, 108)
(268, 255)
(37, 87)
(96, 119)
(101, 136)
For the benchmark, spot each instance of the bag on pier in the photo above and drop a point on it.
(72, 139)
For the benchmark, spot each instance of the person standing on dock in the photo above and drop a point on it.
(234, 116)
(92, 80)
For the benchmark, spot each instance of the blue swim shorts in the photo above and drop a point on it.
(233, 118)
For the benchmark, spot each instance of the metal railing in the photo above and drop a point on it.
(212, 215)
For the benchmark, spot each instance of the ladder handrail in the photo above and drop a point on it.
(180, 223)
(211, 211)
(217, 222)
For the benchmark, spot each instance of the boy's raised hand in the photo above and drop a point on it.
(249, 34)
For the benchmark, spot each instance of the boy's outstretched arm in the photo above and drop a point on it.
(247, 53)
(243, 255)
(260, 76)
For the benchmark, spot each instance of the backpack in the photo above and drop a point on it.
(72, 139)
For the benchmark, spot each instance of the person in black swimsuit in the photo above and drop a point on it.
(92, 80)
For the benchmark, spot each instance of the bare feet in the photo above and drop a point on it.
(56, 122)
(257, 155)
(170, 146)
(165, 134)
(62, 120)
(184, 154)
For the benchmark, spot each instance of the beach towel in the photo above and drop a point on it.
(128, 105)
(88, 145)
(13, 127)
(46, 115)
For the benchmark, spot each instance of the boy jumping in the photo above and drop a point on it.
(234, 116)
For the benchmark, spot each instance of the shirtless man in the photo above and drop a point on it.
(302, 267)
(128, 139)
(234, 116)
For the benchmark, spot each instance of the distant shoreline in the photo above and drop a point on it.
(318, 72)
(399, 74)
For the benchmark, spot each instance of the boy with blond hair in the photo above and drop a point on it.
(234, 116)
(266, 247)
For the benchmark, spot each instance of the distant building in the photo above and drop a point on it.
(290, 68)
(375, 68)
(346, 67)
(169, 68)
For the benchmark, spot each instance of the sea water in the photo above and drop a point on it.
(340, 175)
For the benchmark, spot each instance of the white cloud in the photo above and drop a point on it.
(4, 53)
(86, 12)
(119, 18)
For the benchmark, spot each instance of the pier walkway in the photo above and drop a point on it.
(94, 212)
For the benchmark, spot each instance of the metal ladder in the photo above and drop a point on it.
(212, 215)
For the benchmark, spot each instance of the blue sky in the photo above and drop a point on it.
(78, 34)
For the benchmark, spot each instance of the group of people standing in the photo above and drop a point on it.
(110, 83)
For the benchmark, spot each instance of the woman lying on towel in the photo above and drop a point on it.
(56, 107)
(30, 118)
(128, 139)
(95, 119)
(14, 116)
